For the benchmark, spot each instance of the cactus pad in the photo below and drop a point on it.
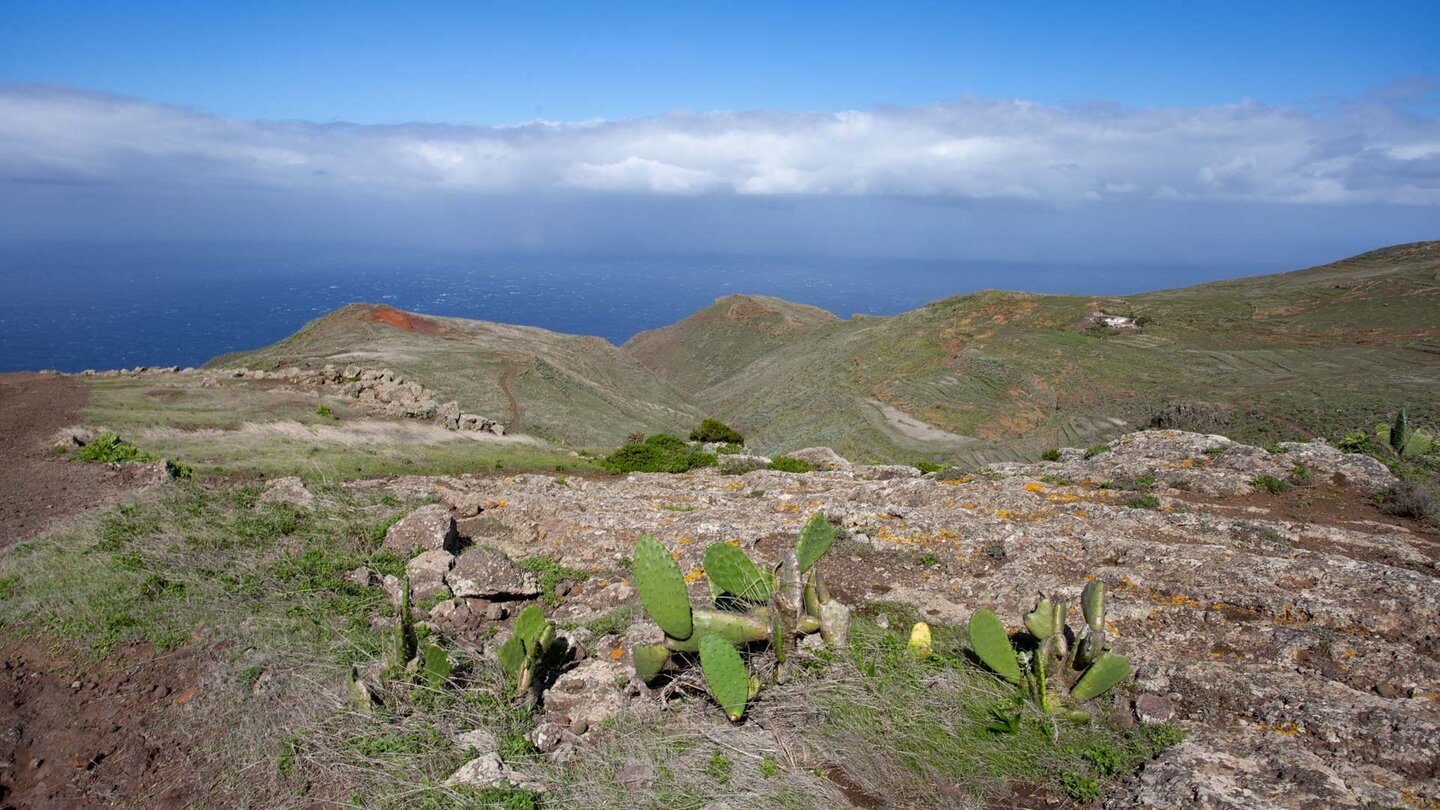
(1105, 673)
(1092, 604)
(738, 629)
(437, 669)
(815, 540)
(649, 660)
(1040, 621)
(529, 624)
(731, 572)
(662, 588)
(992, 646)
(725, 674)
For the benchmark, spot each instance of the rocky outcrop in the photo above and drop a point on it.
(429, 528)
(381, 389)
(485, 573)
(1290, 636)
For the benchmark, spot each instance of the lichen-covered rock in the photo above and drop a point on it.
(488, 574)
(289, 490)
(427, 572)
(429, 528)
(588, 693)
(821, 458)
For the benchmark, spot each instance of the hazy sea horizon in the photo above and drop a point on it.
(77, 306)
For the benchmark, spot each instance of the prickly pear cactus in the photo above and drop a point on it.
(815, 540)
(725, 675)
(992, 645)
(649, 660)
(1105, 673)
(403, 643)
(732, 573)
(523, 653)
(662, 588)
(437, 668)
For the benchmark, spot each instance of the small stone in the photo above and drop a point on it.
(1153, 709)
(638, 775)
(429, 528)
(495, 612)
(882, 621)
(488, 574)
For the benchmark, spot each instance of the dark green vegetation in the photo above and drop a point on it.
(658, 453)
(713, 430)
(790, 465)
(975, 378)
(109, 447)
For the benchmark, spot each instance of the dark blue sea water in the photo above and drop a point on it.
(72, 307)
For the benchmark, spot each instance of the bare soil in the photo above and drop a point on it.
(39, 488)
(88, 737)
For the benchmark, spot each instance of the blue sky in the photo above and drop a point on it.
(485, 63)
(933, 126)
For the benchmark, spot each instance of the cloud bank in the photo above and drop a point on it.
(967, 150)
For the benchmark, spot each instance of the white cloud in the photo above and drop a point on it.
(967, 149)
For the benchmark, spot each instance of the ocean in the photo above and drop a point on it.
(77, 306)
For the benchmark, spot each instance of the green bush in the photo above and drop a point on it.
(661, 453)
(1050, 454)
(1091, 452)
(790, 465)
(713, 430)
(927, 467)
(109, 447)
(1270, 484)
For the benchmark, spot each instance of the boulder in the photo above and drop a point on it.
(449, 415)
(489, 771)
(587, 694)
(429, 528)
(822, 458)
(427, 573)
(289, 490)
(740, 463)
(885, 472)
(488, 574)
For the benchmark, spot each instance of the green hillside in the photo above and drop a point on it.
(565, 388)
(723, 338)
(974, 378)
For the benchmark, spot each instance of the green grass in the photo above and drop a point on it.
(108, 447)
(1270, 484)
(550, 573)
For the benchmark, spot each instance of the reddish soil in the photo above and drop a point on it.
(403, 320)
(62, 744)
(39, 489)
(85, 737)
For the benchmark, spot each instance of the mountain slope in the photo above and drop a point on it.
(975, 378)
(996, 375)
(721, 339)
(565, 388)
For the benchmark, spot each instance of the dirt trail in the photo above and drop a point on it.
(513, 426)
(39, 488)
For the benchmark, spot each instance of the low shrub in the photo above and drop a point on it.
(1412, 500)
(790, 465)
(927, 467)
(109, 447)
(713, 430)
(1146, 501)
(1050, 454)
(1270, 484)
(1091, 452)
(660, 453)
